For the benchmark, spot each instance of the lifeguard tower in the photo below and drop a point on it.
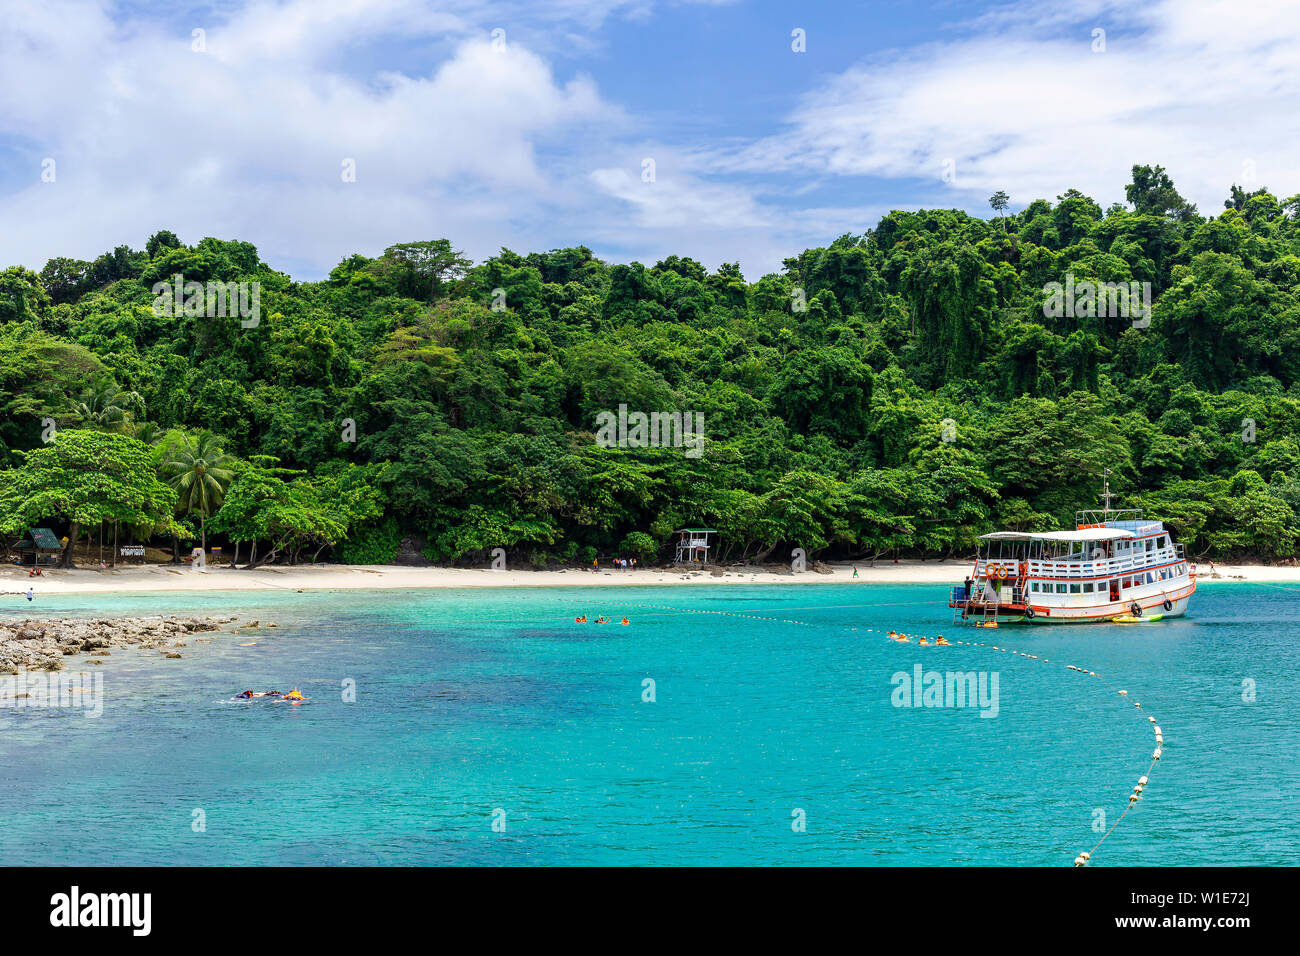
(693, 545)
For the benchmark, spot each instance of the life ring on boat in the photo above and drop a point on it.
(1169, 605)
(1029, 613)
(1136, 608)
(991, 571)
(1002, 572)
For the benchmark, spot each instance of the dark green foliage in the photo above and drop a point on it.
(902, 390)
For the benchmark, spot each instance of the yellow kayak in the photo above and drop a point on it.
(1130, 619)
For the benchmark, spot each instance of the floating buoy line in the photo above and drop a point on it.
(667, 610)
(939, 640)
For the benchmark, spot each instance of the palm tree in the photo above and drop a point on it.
(151, 433)
(107, 407)
(200, 472)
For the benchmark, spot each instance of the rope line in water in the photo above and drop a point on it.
(1265, 584)
(1083, 858)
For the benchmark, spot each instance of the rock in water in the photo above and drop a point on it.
(42, 645)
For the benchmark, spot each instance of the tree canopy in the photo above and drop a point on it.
(899, 390)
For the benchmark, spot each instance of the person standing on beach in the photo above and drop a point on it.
(29, 594)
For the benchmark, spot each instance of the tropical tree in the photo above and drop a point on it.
(200, 472)
(85, 477)
(107, 407)
(999, 201)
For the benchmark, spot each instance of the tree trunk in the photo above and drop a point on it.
(176, 550)
(234, 560)
(203, 533)
(65, 559)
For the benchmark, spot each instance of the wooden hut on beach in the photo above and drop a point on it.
(38, 548)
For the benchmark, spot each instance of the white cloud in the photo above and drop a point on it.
(491, 148)
(1202, 87)
(247, 139)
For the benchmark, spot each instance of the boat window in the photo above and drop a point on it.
(1060, 588)
(1087, 587)
(1126, 583)
(1074, 588)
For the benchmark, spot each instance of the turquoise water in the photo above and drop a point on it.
(473, 701)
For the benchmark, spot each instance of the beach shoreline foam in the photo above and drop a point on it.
(334, 577)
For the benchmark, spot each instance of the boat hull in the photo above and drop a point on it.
(1098, 614)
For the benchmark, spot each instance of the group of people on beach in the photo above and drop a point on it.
(622, 564)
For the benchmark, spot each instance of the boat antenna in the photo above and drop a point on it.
(1105, 495)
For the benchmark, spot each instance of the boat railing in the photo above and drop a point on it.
(981, 594)
(1080, 566)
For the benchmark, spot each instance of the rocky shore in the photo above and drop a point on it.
(43, 644)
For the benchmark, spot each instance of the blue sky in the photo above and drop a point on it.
(541, 141)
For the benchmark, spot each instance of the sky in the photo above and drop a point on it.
(724, 130)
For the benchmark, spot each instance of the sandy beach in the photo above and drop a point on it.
(14, 581)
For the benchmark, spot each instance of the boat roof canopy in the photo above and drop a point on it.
(1084, 534)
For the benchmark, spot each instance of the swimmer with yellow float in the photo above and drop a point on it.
(294, 695)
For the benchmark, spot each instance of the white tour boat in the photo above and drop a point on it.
(1114, 566)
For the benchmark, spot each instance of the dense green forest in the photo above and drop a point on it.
(899, 391)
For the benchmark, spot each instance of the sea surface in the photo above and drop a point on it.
(747, 725)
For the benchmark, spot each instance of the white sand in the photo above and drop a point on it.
(339, 577)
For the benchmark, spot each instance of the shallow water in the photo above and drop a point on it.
(474, 701)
